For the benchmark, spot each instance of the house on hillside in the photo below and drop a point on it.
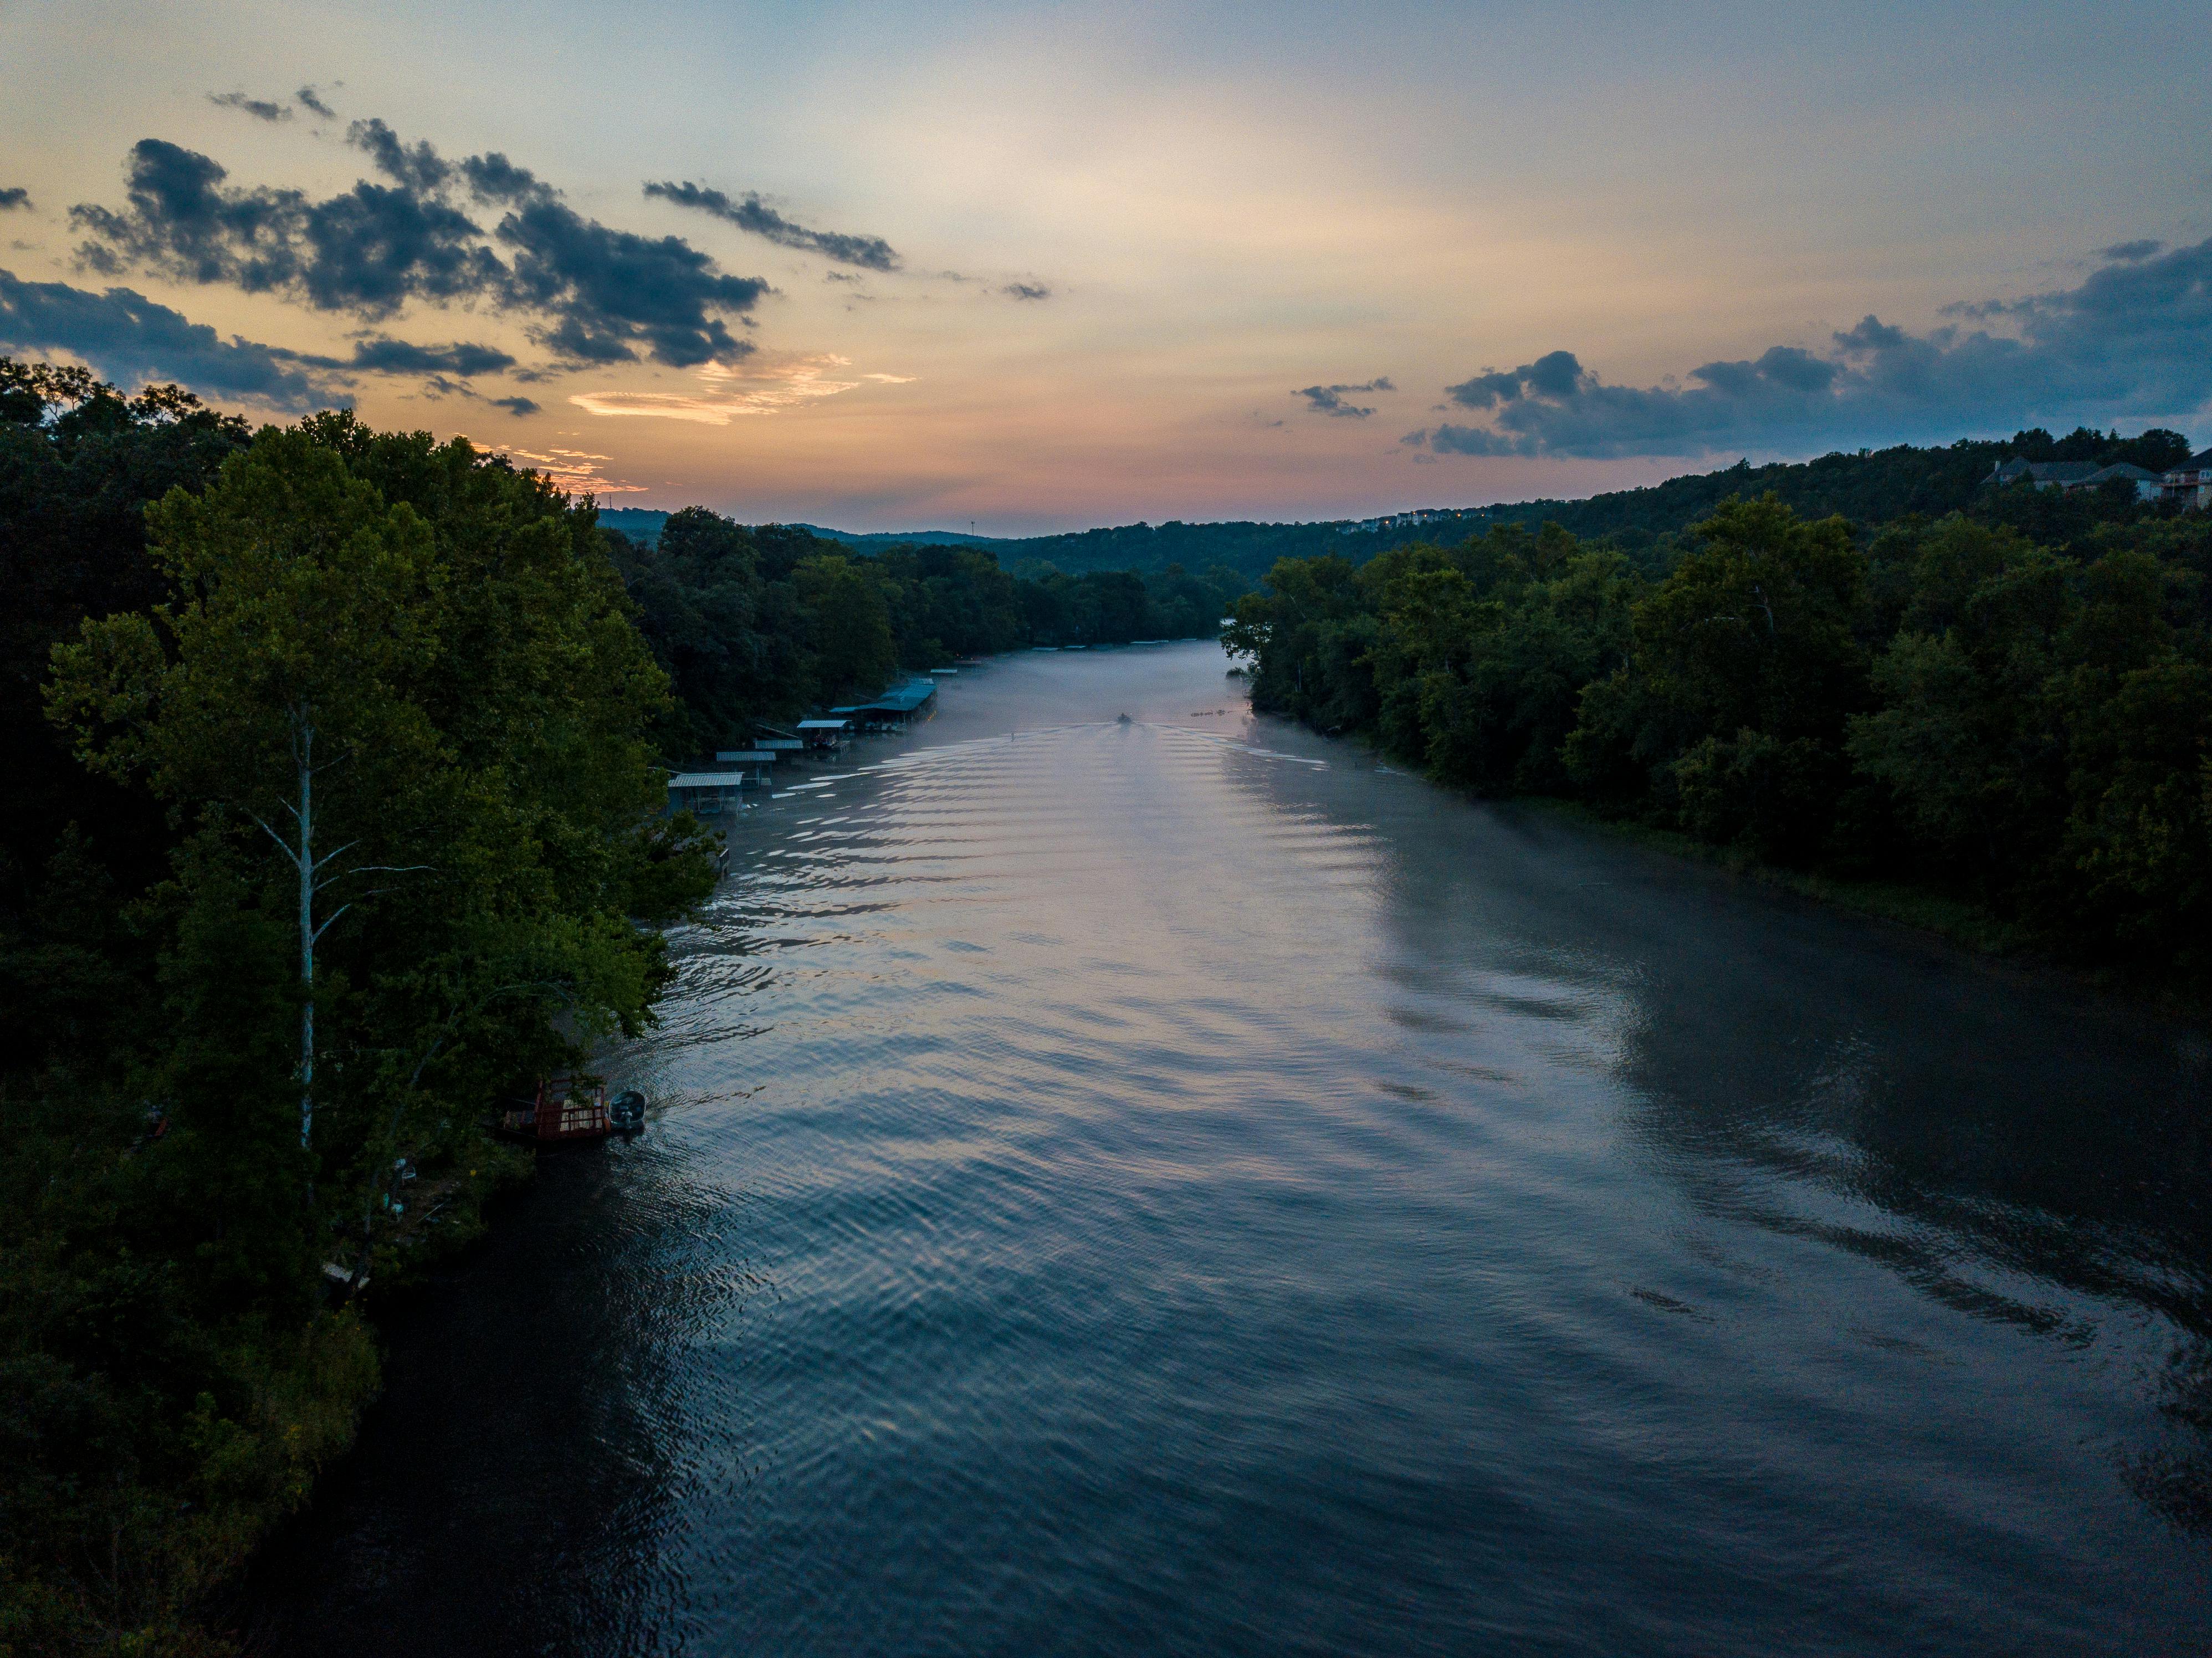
(2068, 475)
(2149, 485)
(2047, 474)
(2190, 484)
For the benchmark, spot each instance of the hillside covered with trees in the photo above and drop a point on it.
(760, 623)
(1868, 488)
(336, 818)
(2009, 705)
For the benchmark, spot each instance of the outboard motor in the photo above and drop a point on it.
(626, 1111)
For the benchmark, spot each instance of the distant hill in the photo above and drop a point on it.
(643, 524)
(638, 522)
(1868, 488)
(875, 540)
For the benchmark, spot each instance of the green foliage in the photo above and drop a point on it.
(1948, 706)
(380, 724)
(762, 622)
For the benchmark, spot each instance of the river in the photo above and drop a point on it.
(1180, 1185)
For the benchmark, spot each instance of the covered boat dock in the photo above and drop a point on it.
(894, 710)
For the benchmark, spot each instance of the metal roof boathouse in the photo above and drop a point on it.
(895, 709)
(705, 793)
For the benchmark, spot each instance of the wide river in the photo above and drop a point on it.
(1180, 1186)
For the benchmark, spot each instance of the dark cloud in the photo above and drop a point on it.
(372, 249)
(594, 294)
(1026, 291)
(2133, 341)
(1331, 400)
(493, 177)
(383, 355)
(261, 109)
(418, 167)
(610, 289)
(516, 406)
(183, 222)
(309, 100)
(871, 253)
(369, 250)
(2129, 253)
(130, 339)
(15, 196)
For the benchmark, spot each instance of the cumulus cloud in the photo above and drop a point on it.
(369, 250)
(609, 290)
(2133, 341)
(261, 109)
(130, 339)
(14, 196)
(516, 406)
(1332, 399)
(590, 294)
(1024, 290)
(750, 214)
(493, 177)
(419, 168)
(308, 100)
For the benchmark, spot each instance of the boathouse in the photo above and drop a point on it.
(823, 736)
(894, 710)
(705, 793)
(750, 764)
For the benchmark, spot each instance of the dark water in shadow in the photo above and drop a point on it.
(1178, 1187)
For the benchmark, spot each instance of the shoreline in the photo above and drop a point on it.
(1928, 914)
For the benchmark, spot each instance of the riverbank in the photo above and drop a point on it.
(1969, 926)
(1938, 916)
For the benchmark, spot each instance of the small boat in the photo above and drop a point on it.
(1123, 719)
(566, 1108)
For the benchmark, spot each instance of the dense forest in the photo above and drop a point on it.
(339, 796)
(1871, 486)
(337, 817)
(2008, 706)
(760, 623)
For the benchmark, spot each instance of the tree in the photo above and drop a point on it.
(306, 615)
(1744, 668)
(847, 622)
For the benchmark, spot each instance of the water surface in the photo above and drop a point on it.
(1179, 1186)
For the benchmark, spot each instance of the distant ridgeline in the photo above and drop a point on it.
(1870, 487)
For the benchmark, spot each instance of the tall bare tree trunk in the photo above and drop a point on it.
(303, 752)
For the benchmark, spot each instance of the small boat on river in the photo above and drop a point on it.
(566, 1108)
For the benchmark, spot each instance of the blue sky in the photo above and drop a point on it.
(1050, 266)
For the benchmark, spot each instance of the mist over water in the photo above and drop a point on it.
(1180, 1185)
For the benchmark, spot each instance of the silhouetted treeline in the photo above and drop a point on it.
(333, 817)
(760, 623)
(2011, 704)
(1868, 488)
